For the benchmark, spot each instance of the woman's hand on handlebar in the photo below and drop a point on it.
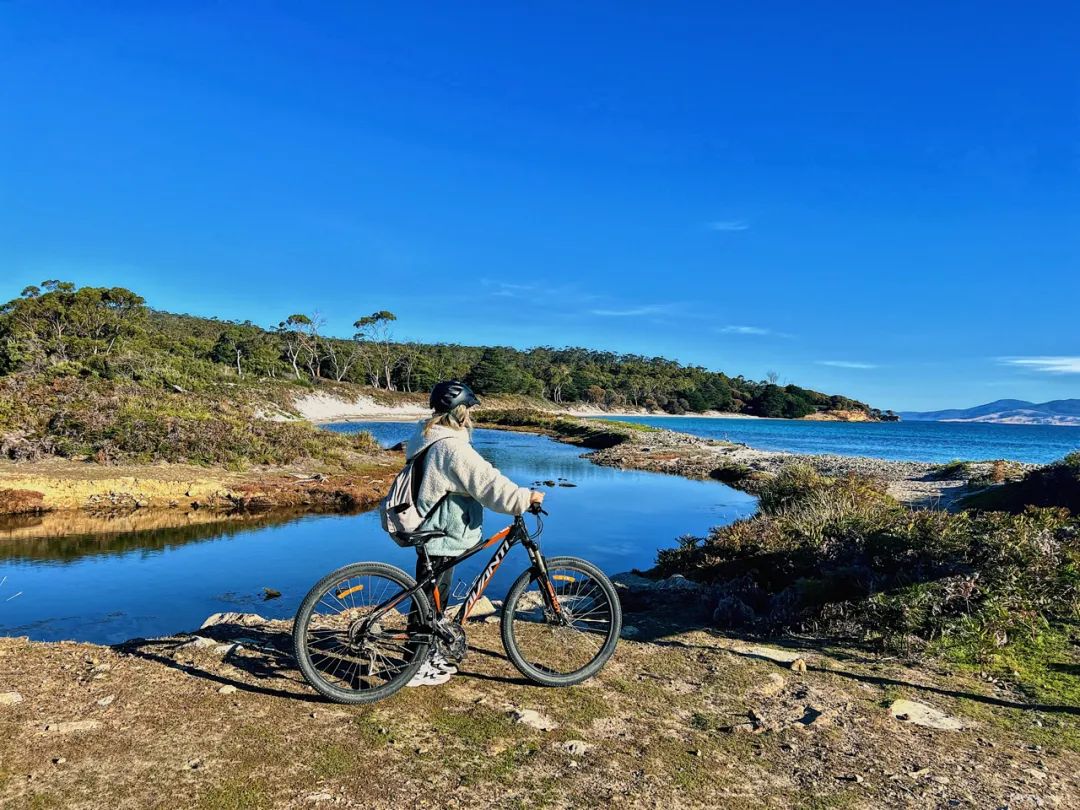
(536, 501)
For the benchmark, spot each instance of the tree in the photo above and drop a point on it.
(57, 323)
(300, 339)
(342, 355)
(376, 331)
(230, 348)
(411, 353)
(595, 394)
(558, 376)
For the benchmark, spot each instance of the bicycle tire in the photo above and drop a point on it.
(303, 616)
(597, 663)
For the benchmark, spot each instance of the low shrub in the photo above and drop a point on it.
(840, 557)
(953, 471)
(113, 422)
(1055, 484)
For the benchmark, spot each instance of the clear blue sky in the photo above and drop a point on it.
(876, 199)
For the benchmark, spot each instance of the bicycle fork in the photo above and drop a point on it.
(543, 579)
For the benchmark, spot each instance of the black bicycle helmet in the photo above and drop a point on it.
(446, 396)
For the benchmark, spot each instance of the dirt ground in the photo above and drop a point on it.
(677, 719)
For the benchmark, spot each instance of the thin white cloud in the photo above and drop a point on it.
(633, 312)
(503, 290)
(1046, 365)
(750, 331)
(846, 364)
(728, 225)
(745, 330)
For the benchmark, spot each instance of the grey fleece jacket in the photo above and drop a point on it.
(453, 468)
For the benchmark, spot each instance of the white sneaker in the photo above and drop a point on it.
(434, 671)
(441, 662)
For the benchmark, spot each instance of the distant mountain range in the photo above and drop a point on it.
(1006, 411)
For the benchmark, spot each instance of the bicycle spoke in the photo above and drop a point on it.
(350, 644)
(562, 644)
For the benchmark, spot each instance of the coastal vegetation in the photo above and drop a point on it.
(1054, 485)
(837, 556)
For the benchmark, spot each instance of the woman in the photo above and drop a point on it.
(456, 484)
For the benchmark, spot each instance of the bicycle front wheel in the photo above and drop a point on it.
(350, 651)
(570, 645)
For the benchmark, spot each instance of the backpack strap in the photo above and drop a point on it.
(421, 459)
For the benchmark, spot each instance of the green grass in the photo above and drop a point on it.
(333, 760)
(475, 727)
(236, 794)
(640, 427)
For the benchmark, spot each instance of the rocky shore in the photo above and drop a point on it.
(639, 447)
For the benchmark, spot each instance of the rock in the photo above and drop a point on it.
(199, 643)
(194, 764)
(482, 609)
(731, 611)
(774, 684)
(72, 726)
(798, 665)
(10, 698)
(533, 719)
(922, 715)
(59, 760)
(106, 701)
(226, 649)
(677, 582)
(576, 748)
(244, 619)
(813, 716)
(1036, 773)
(629, 631)
(777, 656)
(271, 593)
(530, 600)
(227, 689)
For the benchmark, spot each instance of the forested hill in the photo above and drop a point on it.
(110, 333)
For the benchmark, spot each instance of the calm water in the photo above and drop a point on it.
(108, 587)
(909, 441)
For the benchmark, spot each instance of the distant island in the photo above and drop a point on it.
(1007, 412)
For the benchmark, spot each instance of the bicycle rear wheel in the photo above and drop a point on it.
(569, 646)
(346, 653)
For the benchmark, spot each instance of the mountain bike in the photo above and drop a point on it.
(364, 630)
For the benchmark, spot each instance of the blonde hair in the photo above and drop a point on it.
(457, 418)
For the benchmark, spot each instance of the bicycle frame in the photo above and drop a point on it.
(509, 537)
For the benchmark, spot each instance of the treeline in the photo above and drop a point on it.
(110, 332)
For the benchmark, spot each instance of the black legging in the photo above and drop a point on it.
(444, 582)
